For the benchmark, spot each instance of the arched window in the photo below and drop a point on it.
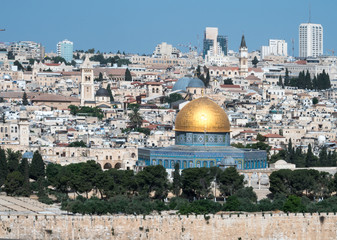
(118, 165)
(107, 166)
(204, 164)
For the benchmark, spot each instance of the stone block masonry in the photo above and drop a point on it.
(167, 227)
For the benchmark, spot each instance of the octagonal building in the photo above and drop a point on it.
(202, 139)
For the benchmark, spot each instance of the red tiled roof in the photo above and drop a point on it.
(248, 131)
(229, 86)
(301, 62)
(252, 77)
(154, 83)
(255, 70)
(52, 64)
(273, 135)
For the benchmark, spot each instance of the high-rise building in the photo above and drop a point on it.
(65, 50)
(217, 44)
(276, 47)
(310, 40)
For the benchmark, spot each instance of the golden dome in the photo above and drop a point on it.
(202, 115)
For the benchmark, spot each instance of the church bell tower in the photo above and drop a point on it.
(87, 82)
(243, 58)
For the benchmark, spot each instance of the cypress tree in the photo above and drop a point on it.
(287, 78)
(37, 168)
(3, 167)
(310, 158)
(24, 170)
(176, 180)
(128, 76)
(13, 160)
(110, 93)
(279, 83)
(207, 79)
(24, 99)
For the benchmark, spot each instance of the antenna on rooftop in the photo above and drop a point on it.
(293, 44)
(309, 13)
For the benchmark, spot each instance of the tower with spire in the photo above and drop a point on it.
(243, 58)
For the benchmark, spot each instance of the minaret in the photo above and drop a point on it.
(243, 58)
(24, 127)
(87, 82)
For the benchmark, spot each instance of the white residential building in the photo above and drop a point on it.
(65, 49)
(310, 40)
(276, 47)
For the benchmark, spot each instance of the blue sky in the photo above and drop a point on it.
(136, 26)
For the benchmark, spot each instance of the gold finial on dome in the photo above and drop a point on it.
(202, 115)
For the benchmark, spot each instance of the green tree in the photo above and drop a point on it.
(3, 166)
(293, 204)
(280, 182)
(110, 93)
(135, 118)
(128, 76)
(24, 170)
(14, 183)
(176, 186)
(37, 168)
(10, 55)
(153, 179)
(247, 193)
(255, 61)
(91, 50)
(260, 138)
(173, 98)
(286, 78)
(25, 99)
(13, 159)
(78, 144)
(311, 159)
(315, 100)
(280, 82)
(196, 182)
(18, 64)
(230, 181)
(29, 68)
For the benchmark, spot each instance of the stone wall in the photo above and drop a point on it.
(225, 226)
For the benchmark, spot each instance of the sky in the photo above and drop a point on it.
(137, 26)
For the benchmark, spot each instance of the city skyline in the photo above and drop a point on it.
(108, 26)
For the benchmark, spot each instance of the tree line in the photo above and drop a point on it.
(305, 81)
(301, 159)
(124, 191)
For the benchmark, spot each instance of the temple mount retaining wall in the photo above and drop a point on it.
(166, 227)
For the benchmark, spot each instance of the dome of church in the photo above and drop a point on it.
(196, 83)
(181, 84)
(185, 82)
(202, 115)
(102, 92)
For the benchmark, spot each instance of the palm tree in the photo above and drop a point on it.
(135, 117)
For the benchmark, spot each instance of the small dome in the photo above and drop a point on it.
(202, 115)
(196, 83)
(102, 92)
(181, 84)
